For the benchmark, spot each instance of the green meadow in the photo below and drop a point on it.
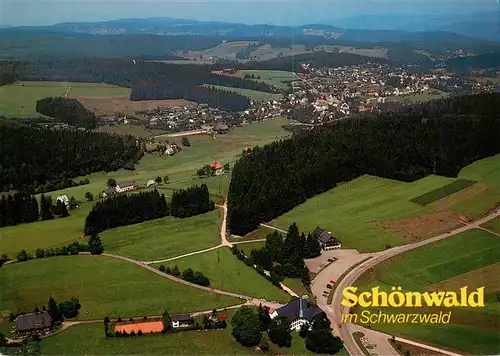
(104, 286)
(228, 273)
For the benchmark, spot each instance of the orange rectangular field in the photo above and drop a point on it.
(149, 327)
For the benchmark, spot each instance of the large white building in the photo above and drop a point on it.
(299, 312)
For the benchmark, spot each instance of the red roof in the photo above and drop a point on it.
(216, 165)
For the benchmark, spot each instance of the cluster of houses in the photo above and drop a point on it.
(187, 118)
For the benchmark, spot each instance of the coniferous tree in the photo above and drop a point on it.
(280, 332)
(95, 244)
(45, 208)
(53, 310)
(63, 211)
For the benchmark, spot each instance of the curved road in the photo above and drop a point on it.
(336, 311)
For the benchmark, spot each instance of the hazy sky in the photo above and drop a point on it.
(280, 12)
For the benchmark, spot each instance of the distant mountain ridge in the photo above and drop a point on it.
(396, 29)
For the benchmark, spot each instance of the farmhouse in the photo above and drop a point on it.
(181, 320)
(299, 312)
(326, 240)
(218, 168)
(33, 322)
(126, 186)
(63, 199)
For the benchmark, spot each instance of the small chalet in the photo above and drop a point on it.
(218, 168)
(326, 240)
(33, 322)
(126, 186)
(299, 312)
(149, 183)
(181, 320)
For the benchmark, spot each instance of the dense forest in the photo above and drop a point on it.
(129, 209)
(67, 110)
(125, 209)
(33, 156)
(165, 88)
(283, 256)
(148, 80)
(192, 201)
(315, 59)
(18, 208)
(19, 44)
(438, 137)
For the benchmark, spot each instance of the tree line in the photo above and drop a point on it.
(148, 80)
(94, 246)
(191, 201)
(33, 156)
(22, 207)
(405, 144)
(125, 209)
(188, 275)
(129, 209)
(67, 110)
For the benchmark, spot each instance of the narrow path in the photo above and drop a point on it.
(248, 241)
(274, 228)
(67, 91)
(488, 230)
(182, 256)
(222, 235)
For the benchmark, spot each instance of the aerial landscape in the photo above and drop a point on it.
(227, 178)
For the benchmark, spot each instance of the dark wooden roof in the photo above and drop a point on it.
(33, 321)
(181, 317)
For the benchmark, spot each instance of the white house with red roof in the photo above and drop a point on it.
(218, 168)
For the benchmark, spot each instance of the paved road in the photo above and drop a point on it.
(336, 311)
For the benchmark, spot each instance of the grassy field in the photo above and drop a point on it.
(271, 77)
(104, 286)
(19, 99)
(486, 171)
(165, 237)
(494, 225)
(442, 192)
(449, 259)
(418, 98)
(228, 273)
(251, 94)
(248, 247)
(89, 339)
(43, 234)
(180, 168)
(351, 210)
